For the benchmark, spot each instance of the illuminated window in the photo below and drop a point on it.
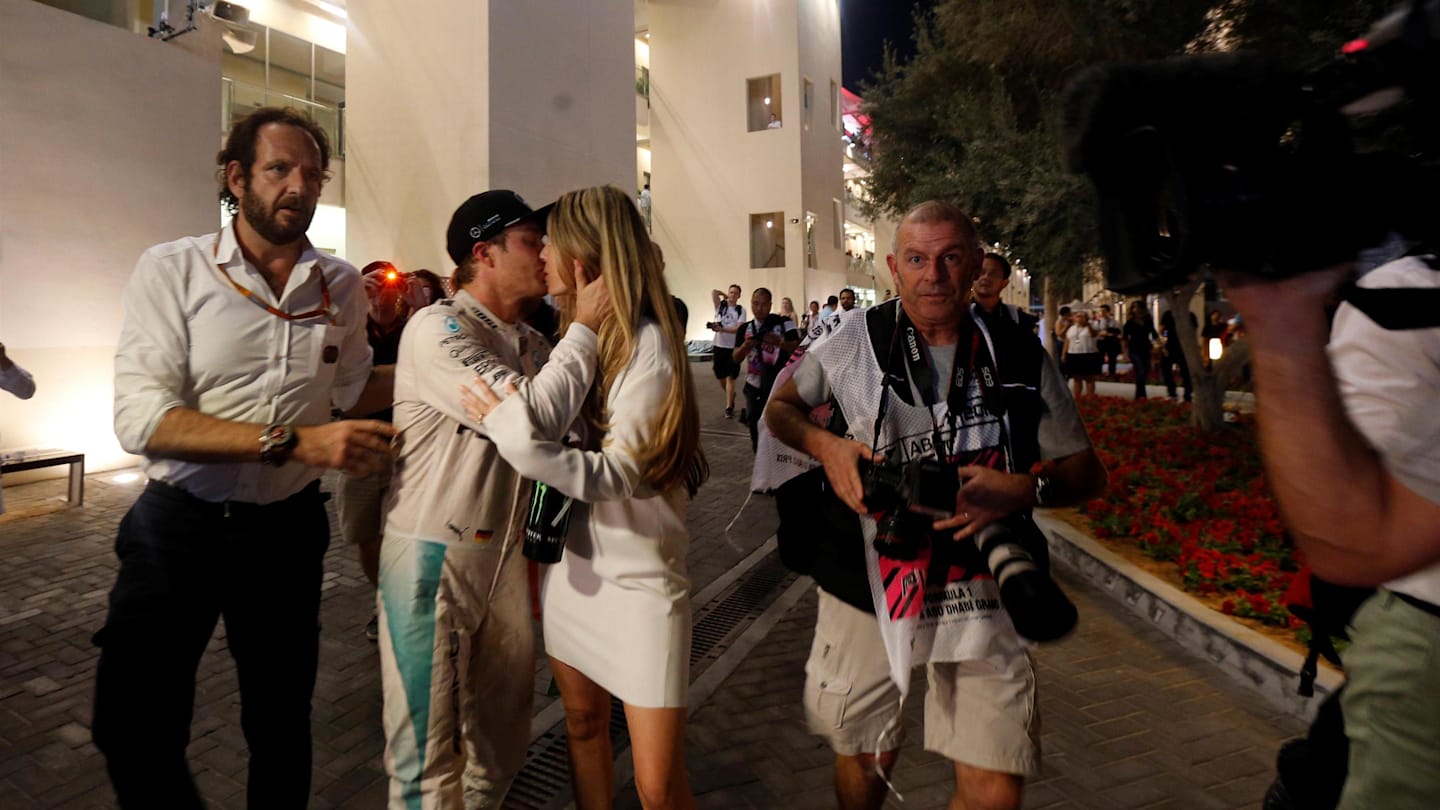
(284, 71)
(762, 103)
(812, 259)
(767, 239)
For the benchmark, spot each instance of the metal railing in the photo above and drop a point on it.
(860, 264)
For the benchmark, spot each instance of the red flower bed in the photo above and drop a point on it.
(1195, 501)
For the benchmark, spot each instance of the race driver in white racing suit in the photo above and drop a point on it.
(456, 641)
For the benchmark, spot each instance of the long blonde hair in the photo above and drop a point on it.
(601, 228)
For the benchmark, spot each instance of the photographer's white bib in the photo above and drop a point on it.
(958, 617)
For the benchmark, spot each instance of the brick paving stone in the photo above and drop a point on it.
(41, 686)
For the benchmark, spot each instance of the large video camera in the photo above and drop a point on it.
(1232, 161)
(913, 494)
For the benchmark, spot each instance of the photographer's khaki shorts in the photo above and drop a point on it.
(976, 712)
(361, 502)
(1391, 708)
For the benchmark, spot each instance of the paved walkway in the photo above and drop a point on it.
(1130, 719)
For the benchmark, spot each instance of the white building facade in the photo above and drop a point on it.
(742, 137)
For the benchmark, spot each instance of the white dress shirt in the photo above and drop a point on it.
(17, 381)
(1388, 380)
(1082, 339)
(192, 340)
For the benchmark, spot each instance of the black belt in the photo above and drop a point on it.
(309, 496)
(1433, 610)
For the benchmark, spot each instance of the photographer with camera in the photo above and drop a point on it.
(729, 315)
(965, 423)
(765, 348)
(1351, 446)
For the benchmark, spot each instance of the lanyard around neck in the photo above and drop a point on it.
(324, 310)
(972, 356)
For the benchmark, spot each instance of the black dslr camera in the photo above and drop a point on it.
(1233, 161)
(913, 494)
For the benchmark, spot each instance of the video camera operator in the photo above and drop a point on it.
(1282, 198)
(948, 395)
(1351, 445)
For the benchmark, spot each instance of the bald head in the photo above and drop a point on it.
(937, 255)
(933, 212)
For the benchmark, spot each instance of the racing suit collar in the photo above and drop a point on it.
(476, 311)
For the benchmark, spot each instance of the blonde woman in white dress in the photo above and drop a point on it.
(616, 608)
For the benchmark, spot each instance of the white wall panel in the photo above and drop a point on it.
(108, 147)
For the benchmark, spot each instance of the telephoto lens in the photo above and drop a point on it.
(1037, 606)
(547, 524)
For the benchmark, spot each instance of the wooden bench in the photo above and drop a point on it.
(22, 460)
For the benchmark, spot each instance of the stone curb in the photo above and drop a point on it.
(1252, 659)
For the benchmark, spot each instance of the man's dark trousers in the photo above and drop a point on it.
(1176, 357)
(183, 564)
(755, 399)
(1110, 351)
(1140, 364)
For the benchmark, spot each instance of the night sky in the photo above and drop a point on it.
(865, 25)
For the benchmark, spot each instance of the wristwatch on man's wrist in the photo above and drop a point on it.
(1044, 491)
(277, 443)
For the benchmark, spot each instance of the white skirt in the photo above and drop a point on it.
(617, 605)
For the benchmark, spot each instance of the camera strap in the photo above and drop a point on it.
(972, 357)
(1395, 308)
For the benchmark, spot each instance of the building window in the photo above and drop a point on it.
(767, 239)
(642, 82)
(838, 212)
(807, 102)
(284, 71)
(835, 107)
(812, 259)
(762, 103)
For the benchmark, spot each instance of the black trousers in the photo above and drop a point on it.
(1140, 364)
(183, 564)
(1176, 357)
(755, 399)
(1110, 350)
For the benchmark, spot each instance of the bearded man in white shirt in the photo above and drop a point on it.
(235, 348)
